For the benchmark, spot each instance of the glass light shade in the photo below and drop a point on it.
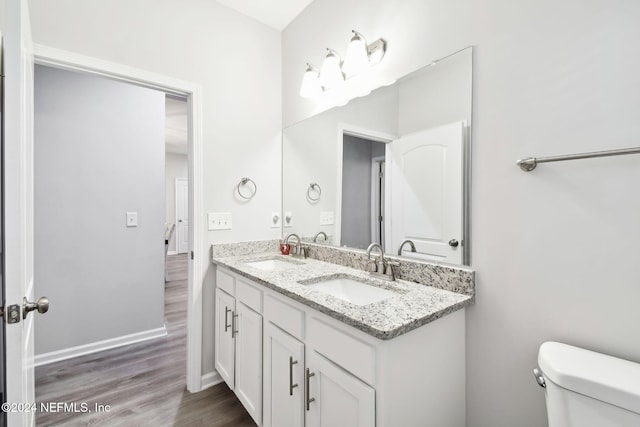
(330, 74)
(310, 87)
(357, 58)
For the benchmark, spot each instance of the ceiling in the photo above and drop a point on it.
(274, 13)
(175, 124)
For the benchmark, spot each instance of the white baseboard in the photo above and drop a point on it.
(81, 350)
(172, 253)
(210, 379)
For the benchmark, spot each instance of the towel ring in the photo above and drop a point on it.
(314, 187)
(244, 181)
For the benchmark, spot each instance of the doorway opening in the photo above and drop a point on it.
(363, 191)
(100, 212)
(197, 256)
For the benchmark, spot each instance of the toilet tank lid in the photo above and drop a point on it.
(606, 378)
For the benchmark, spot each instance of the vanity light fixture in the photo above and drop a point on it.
(331, 74)
(361, 56)
(311, 87)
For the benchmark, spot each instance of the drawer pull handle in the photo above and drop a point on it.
(226, 312)
(291, 384)
(309, 399)
(234, 324)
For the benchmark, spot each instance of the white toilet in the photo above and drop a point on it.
(588, 389)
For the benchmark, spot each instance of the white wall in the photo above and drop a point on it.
(99, 153)
(176, 166)
(556, 249)
(235, 59)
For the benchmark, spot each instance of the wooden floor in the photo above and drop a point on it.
(144, 384)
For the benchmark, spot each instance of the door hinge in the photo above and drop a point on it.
(191, 254)
(12, 313)
(381, 174)
(380, 218)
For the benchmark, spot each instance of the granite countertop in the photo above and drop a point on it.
(414, 305)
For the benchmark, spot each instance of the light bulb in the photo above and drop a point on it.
(357, 58)
(310, 87)
(331, 75)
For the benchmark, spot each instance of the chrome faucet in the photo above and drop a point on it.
(378, 267)
(315, 238)
(413, 247)
(297, 248)
(383, 268)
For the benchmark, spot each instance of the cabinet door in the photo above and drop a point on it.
(340, 399)
(224, 342)
(283, 379)
(248, 335)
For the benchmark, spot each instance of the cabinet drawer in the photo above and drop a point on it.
(225, 281)
(343, 349)
(249, 295)
(285, 316)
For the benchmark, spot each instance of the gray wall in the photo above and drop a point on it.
(555, 249)
(99, 152)
(356, 190)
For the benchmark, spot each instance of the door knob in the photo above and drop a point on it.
(42, 305)
(453, 243)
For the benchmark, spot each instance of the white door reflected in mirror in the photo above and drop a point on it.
(425, 192)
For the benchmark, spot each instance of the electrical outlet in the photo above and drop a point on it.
(288, 219)
(132, 219)
(326, 218)
(276, 219)
(219, 220)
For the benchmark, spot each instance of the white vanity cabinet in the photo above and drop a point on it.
(284, 386)
(339, 398)
(321, 372)
(238, 340)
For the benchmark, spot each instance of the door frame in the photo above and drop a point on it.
(377, 202)
(58, 58)
(360, 132)
(177, 234)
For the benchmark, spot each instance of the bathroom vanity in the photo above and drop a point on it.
(299, 348)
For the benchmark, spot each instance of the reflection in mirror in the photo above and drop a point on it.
(388, 167)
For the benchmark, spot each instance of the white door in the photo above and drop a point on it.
(248, 337)
(18, 207)
(224, 342)
(340, 399)
(182, 215)
(425, 192)
(283, 379)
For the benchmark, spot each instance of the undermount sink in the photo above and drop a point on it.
(272, 264)
(349, 289)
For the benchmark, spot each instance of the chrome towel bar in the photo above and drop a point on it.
(528, 164)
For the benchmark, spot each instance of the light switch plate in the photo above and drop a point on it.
(219, 220)
(288, 219)
(132, 219)
(326, 218)
(276, 219)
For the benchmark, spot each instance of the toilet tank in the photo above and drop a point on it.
(589, 389)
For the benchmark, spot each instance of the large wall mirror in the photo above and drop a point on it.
(387, 167)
